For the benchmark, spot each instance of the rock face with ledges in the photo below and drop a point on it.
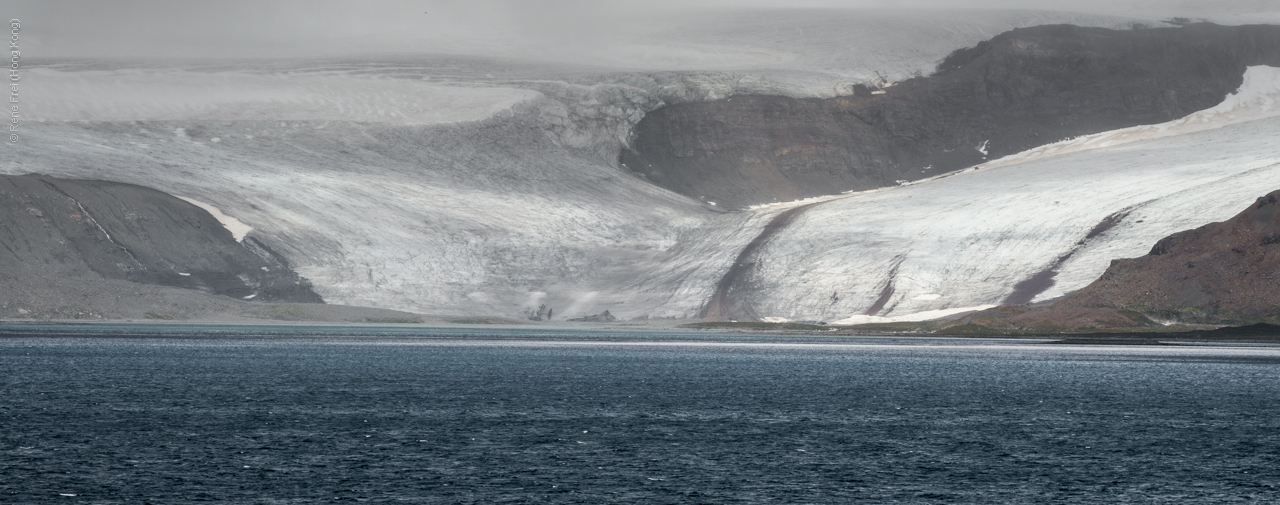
(1022, 89)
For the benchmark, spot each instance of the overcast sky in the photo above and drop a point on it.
(234, 28)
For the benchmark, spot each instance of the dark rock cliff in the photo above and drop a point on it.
(60, 228)
(1021, 89)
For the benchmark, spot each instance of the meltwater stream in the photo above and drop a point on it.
(514, 416)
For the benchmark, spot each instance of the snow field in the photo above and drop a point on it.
(970, 238)
(170, 94)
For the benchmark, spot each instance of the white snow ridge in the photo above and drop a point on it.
(238, 229)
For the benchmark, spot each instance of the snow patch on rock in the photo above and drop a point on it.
(233, 225)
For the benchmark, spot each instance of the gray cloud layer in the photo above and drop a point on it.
(239, 28)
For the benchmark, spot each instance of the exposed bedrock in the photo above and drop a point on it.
(65, 228)
(1021, 89)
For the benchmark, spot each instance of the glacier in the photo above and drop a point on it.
(483, 185)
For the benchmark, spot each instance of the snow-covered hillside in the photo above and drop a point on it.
(967, 240)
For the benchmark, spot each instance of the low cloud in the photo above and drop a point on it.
(254, 28)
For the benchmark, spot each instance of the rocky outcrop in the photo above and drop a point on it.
(1019, 318)
(53, 228)
(1226, 272)
(1021, 89)
(603, 317)
(1221, 273)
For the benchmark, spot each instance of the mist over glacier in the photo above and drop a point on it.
(487, 183)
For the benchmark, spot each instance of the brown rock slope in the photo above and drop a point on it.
(1021, 89)
(1226, 272)
(1220, 273)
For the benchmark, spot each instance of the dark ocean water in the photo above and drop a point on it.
(306, 416)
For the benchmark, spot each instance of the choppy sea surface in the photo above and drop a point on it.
(154, 414)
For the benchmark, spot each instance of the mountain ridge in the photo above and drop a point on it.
(1021, 89)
